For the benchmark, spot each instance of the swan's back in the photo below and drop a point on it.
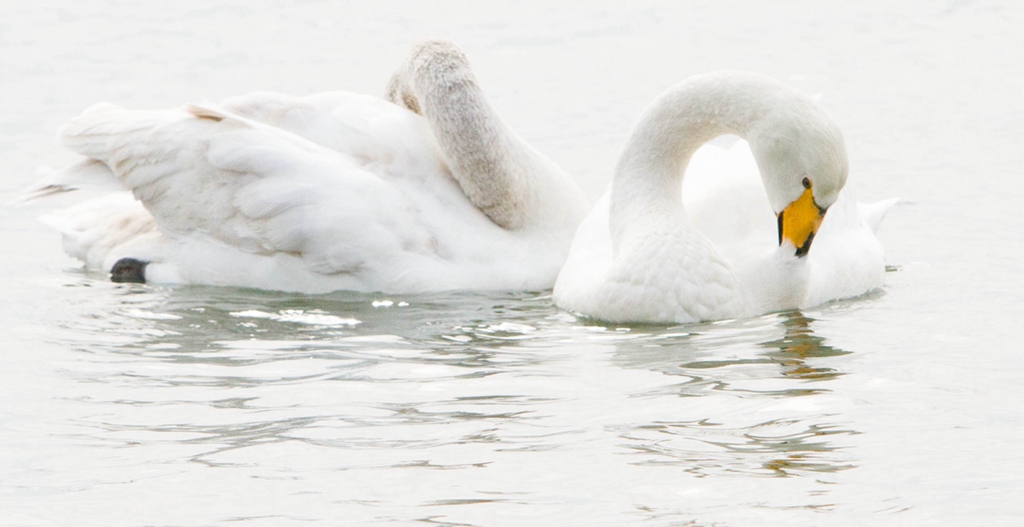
(369, 129)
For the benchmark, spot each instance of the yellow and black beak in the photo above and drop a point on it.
(800, 220)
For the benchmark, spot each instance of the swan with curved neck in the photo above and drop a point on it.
(637, 257)
(334, 191)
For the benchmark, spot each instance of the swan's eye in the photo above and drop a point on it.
(807, 183)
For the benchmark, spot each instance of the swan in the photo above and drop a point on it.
(427, 190)
(656, 249)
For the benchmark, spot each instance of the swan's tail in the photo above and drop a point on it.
(87, 173)
(875, 212)
(101, 130)
(100, 231)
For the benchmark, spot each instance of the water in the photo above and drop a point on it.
(135, 405)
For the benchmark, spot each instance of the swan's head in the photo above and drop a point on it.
(802, 159)
(431, 65)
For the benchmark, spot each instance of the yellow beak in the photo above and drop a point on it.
(799, 221)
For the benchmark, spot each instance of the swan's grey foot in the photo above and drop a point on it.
(129, 270)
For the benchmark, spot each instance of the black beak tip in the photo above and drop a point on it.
(779, 216)
(806, 247)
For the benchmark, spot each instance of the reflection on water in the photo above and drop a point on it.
(744, 359)
(734, 345)
(298, 388)
(798, 345)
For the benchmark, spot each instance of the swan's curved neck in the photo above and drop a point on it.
(649, 175)
(484, 155)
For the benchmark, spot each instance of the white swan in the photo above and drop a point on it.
(651, 252)
(335, 191)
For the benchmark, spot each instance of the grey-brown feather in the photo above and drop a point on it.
(486, 158)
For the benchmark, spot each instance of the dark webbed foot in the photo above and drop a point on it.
(129, 270)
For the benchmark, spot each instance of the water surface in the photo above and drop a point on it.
(175, 406)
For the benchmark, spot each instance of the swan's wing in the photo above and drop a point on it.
(390, 140)
(205, 173)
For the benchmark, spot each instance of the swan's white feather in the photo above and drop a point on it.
(105, 229)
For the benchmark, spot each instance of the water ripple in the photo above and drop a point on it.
(290, 386)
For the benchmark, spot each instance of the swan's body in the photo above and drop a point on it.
(655, 250)
(328, 192)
